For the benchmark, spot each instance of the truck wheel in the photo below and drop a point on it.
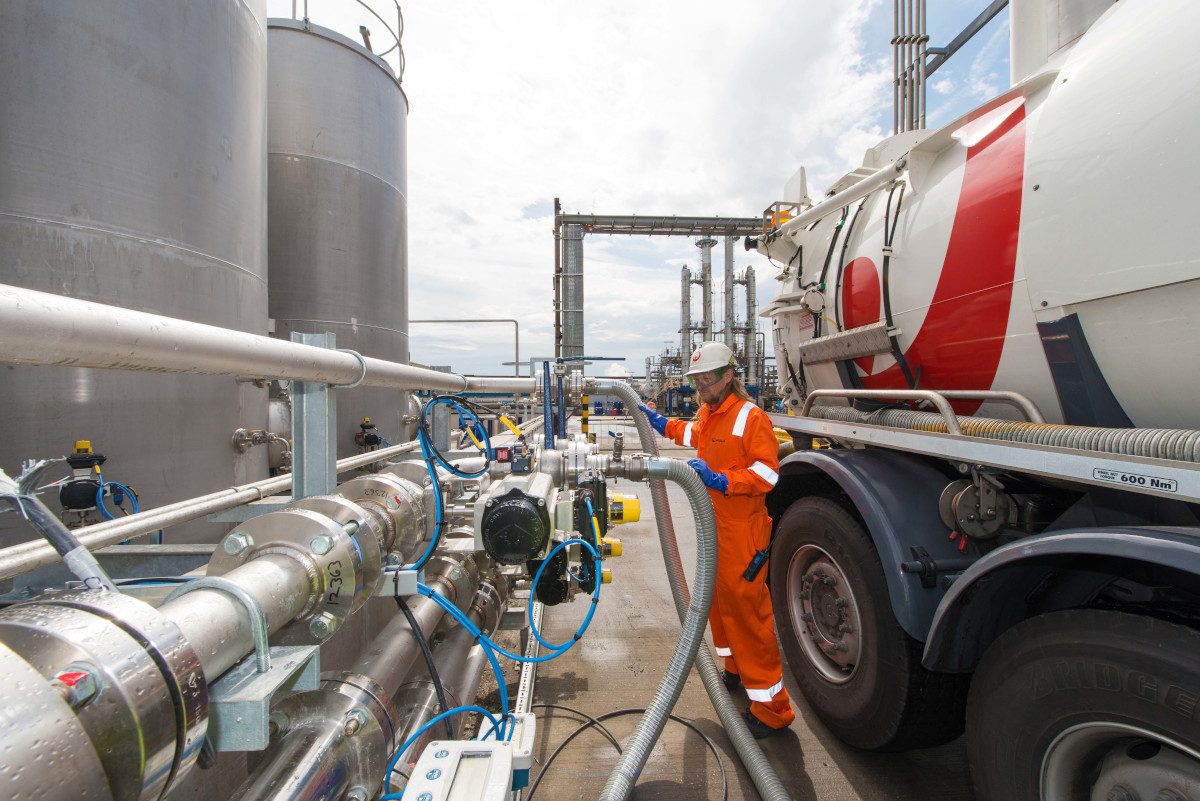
(1087, 704)
(858, 670)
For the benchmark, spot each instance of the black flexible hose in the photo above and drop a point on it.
(619, 713)
(419, 636)
(603, 729)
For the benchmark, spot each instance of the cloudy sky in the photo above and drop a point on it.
(659, 107)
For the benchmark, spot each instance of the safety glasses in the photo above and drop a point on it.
(704, 380)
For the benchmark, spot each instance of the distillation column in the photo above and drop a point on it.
(685, 316)
(706, 246)
(572, 291)
(753, 357)
(729, 280)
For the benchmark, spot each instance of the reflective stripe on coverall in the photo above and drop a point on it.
(737, 439)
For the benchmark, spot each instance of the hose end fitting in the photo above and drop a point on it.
(657, 467)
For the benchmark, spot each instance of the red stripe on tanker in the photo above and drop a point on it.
(961, 340)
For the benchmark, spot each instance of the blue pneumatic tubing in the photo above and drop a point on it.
(387, 779)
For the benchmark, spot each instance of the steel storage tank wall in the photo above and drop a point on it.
(338, 208)
(132, 172)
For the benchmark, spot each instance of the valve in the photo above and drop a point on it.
(605, 576)
(610, 546)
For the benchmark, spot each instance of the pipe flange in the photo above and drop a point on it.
(489, 604)
(364, 743)
(368, 694)
(318, 543)
(457, 576)
(362, 528)
(145, 659)
(405, 505)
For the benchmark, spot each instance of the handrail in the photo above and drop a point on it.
(938, 400)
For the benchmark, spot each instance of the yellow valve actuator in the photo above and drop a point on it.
(606, 576)
(624, 508)
(83, 446)
(611, 547)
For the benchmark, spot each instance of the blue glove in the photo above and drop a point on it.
(657, 421)
(712, 480)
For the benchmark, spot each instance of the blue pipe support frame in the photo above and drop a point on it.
(547, 408)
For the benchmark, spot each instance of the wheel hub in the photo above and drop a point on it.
(1104, 761)
(825, 613)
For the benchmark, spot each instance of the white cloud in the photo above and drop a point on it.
(944, 87)
(669, 107)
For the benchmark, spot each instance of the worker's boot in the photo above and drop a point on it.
(733, 681)
(759, 729)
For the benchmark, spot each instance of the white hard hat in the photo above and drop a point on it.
(711, 356)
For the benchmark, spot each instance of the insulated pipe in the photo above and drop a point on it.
(729, 282)
(40, 328)
(31, 555)
(765, 779)
(649, 728)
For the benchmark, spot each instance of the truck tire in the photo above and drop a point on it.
(858, 670)
(1087, 704)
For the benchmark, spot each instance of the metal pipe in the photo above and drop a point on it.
(922, 41)
(895, 67)
(685, 318)
(729, 291)
(847, 196)
(40, 328)
(217, 626)
(516, 334)
(460, 664)
(394, 651)
(31, 555)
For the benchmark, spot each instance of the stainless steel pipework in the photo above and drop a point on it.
(334, 742)
(305, 569)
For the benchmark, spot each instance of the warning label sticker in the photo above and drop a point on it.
(1136, 480)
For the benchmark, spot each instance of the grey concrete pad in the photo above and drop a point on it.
(620, 663)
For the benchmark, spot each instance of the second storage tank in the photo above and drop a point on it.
(337, 199)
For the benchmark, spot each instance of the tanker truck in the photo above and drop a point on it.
(989, 358)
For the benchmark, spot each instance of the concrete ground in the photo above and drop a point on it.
(619, 664)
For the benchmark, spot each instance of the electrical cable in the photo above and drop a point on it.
(596, 723)
(620, 713)
(419, 636)
(890, 223)
(837, 286)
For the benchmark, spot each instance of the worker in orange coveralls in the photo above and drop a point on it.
(738, 459)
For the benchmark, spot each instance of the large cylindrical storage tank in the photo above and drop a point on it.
(132, 172)
(338, 207)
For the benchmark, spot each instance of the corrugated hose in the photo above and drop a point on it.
(1156, 443)
(649, 728)
(755, 761)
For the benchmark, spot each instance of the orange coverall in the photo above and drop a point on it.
(737, 439)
